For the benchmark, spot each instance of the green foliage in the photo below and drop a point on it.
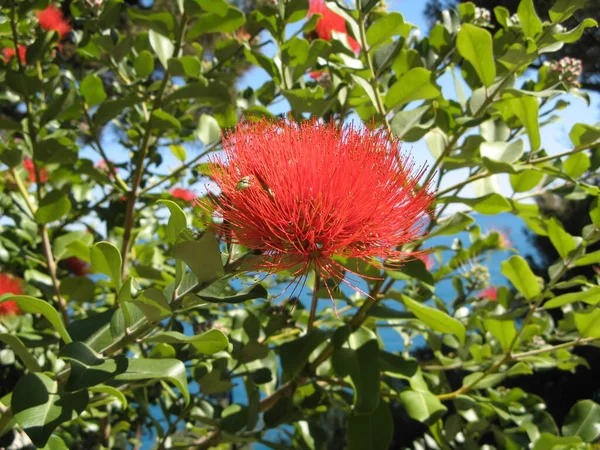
(131, 305)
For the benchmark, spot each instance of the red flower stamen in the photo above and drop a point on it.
(490, 294)
(9, 53)
(305, 193)
(30, 168)
(183, 194)
(51, 19)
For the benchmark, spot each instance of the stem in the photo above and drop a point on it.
(379, 105)
(508, 353)
(47, 249)
(180, 169)
(143, 152)
(315, 301)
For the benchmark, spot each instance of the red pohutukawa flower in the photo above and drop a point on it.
(490, 293)
(51, 19)
(9, 53)
(329, 23)
(30, 168)
(183, 194)
(76, 266)
(303, 194)
(10, 285)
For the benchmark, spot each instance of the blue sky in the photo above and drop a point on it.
(554, 137)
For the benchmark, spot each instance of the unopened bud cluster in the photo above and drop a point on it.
(514, 19)
(568, 69)
(477, 277)
(483, 17)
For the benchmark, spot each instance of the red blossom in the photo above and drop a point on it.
(51, 19)
(329, 23)
(490, 293)
(427, 260)
(305, 193)
(10, 53)
(10, 285)
(76, 266)
(184, 194)
(29, 167)
(102, 166)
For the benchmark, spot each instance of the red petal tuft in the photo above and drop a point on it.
(29, 167)
(329, 23)
(305, 193)
(184, 194)
(51, 19)
(10, 285)
(490, 293)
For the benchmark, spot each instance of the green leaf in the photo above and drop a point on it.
(110, 109)
(185, 66)
(591, 297)
(178, 152)
(295, 354)
(36, 306)
(21, 351)
(106, 259)
(452, 225)
(549, 441)
(153, 304)
(309, 100)
(162, 46)
(576, 164)
(171, 370)
(208, 343)
(144, 64)
(111, 392)
(79, 289)
(208, 130)
(405, 121)
(92, 90)
(234, 418)
(595, 212)
(490, 204)
(202, 256)
(590, 258)
(53, 206)
(387, 26)
(212, 22)
(422, 406)
(583, 420)
(526, 180)
(177, 220)
(531, 23)
(490, 380)
(436, 320)
(526, 109)
(509, 152)
(588, 324)
(521, 276)
(162, 120)
(220, 292)
(373, 431)
(475, 45)
(361, 362)
(583, 134)
(416, 84)
(575, 34)
(561, 10)
(89, 368)
(55, 443)
(503, 330)
(562, 241)
(39, 407)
